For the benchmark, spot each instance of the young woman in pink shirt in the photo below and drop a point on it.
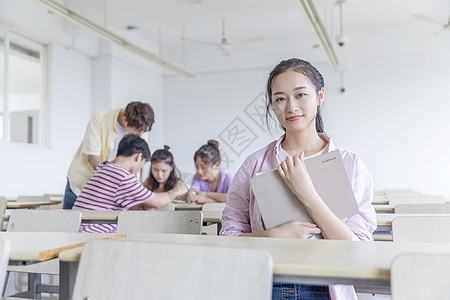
(295, 91)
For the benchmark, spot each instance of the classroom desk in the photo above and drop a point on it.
(384, 208)
(27, 246)
(382, 201)
(188, 206)
(384, 221)
(28, 204)
(302, 261)
(111, 216)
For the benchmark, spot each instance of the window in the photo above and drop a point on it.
(23, 84)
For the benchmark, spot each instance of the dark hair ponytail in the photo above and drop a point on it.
(302, 67)
(209, 153)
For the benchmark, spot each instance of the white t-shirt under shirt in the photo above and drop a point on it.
(120, 134)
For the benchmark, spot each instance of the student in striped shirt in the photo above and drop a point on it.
(114, 185)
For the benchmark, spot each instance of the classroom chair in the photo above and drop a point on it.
(394, 201)
(213, 206)
(3, 205)
(146, 270)
(405, 192)
(421, 229)
(212, 229)
(55, 197)
(429, 208)
(41, 221)
(187, 222)
(420, 276)
(435, 229)
(5, 248)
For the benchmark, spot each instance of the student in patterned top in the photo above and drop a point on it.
(114, 185)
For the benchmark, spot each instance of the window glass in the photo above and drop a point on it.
(22, 89)
(25, 82)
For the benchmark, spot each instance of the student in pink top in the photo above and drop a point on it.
(210, 184)
(114, 185)
(295, 91)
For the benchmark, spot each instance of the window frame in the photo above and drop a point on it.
(44, 101)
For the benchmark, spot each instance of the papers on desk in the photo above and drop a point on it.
(279, 205)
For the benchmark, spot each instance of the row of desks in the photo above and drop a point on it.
(30, 204)
(109, 216)
(295, 260)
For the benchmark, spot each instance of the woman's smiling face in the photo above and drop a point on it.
(295, 100)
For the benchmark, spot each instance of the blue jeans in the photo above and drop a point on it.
(69, 197)
(288, 291)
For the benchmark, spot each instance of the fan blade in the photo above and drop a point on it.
(198, 42)
(428, 19)
(248, 41)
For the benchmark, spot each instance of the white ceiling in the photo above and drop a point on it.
(270, 19)
(145, 13)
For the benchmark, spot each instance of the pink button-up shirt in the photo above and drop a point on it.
(242, 215)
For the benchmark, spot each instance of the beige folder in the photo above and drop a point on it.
(279, 205)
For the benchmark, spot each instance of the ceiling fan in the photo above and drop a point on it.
(445, 26)
(224, 46)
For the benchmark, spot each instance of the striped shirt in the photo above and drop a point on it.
(111, 187)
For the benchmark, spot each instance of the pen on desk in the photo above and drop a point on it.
(49, 254)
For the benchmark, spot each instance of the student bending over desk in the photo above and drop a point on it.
(103, 133)
(295, 92)
(114, 185)
(210, 184)
(163, 177)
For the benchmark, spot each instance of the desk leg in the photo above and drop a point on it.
(67, 276)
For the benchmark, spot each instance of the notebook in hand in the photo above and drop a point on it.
(279, 205)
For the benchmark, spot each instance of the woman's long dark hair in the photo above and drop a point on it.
(162, 155)
(302, 67)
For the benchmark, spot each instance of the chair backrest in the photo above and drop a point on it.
(5, 248)
(405, 192)
(189, 222)
(420, 276)
(393, 201)
(213, 206)
(421, 229)
(55, 197)
(145, 270)
(30, 220)
(3, 205)
(33, 198)
(429, 208)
